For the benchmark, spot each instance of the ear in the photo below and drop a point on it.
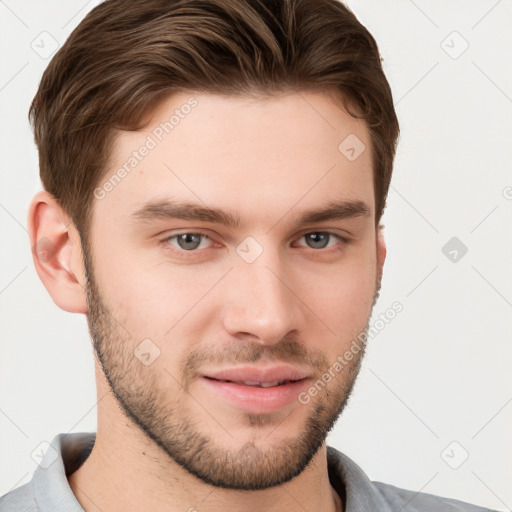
(381, 251)
(57, 253)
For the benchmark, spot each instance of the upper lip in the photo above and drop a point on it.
(258, 374)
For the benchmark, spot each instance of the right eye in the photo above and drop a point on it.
(187, 242)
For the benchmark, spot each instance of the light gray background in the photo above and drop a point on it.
(440, 371)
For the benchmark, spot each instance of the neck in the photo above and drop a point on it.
(128, 472)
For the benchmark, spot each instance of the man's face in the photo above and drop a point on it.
(209, 333)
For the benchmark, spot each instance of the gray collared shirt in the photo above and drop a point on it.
(49, 490)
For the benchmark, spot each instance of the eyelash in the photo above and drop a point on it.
(192, 252)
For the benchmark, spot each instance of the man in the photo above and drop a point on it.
(215, 175)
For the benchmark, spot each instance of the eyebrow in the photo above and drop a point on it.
(165, 209)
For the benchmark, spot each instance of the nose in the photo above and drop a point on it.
(261, 303)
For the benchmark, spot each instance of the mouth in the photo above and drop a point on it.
(256, 390)
(263, 376)
(258, 384)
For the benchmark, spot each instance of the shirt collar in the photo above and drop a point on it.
(361, 495)
(50, 485)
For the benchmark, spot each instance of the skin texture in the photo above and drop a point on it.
(166, 439)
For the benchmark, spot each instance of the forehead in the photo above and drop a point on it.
(257, 156)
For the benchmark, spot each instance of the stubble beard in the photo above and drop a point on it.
(147, 405)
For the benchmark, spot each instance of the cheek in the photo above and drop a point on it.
(343, 295)
(156, 301)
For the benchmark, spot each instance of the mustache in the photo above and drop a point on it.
(243, 352)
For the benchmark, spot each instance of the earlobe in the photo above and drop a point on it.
(57, 253)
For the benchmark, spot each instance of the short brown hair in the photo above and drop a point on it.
(127, 54)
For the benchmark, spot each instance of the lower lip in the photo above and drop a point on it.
(256, 399)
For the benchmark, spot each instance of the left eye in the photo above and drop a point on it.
(319, 239)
